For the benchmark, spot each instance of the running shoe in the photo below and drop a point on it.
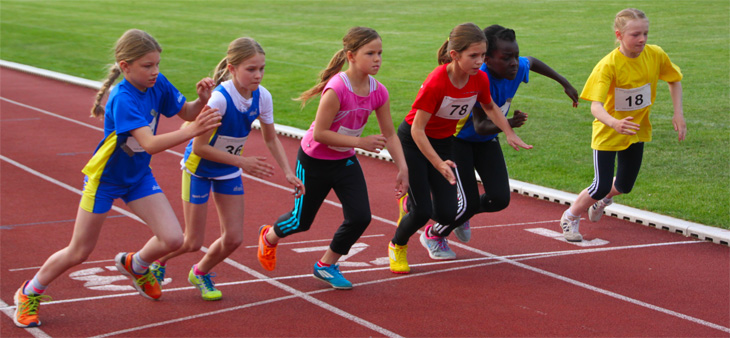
(596, 210)
(26, 308)
(570, 228)
(438, 247)
(146, 283)
(402, 207)
(266, 254)
(205, 285)
(463, 233)
(159, 271)
(332, 276)
(397, 254)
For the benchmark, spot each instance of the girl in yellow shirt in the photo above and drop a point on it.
(622, 89)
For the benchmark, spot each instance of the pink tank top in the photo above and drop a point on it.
(350, 119)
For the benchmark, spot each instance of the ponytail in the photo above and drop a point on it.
(334, 67)
(443, 55)
(98, 110)
(221, 73)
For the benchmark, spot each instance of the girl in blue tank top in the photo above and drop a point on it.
(213, 162)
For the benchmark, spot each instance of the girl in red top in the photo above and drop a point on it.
(447, 95)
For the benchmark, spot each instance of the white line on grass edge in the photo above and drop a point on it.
(658, 221)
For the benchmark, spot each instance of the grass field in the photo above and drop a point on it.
(688, 180)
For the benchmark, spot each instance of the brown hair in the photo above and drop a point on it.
(624, 16)
(132, 45)
(355, 38)
(239, 50)
(460, 38)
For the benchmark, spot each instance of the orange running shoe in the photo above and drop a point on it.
(266, 254)
(26, 308)
(146, 284)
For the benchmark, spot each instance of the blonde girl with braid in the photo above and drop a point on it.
(213, 162)
(326, 159)
(120, 168)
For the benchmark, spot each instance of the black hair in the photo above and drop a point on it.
(497, 32)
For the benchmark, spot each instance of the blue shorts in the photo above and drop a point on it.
(196, 190)
(98, 197)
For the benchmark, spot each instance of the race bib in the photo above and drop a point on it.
(505, 107)
(455, 109)
(231, 145)
(348, 132)
(133, 145)
(633, 99)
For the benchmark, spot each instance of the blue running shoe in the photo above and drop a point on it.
(158, 270)
(332, 276)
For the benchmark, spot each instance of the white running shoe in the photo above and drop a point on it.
(570, 228)
(596, 210)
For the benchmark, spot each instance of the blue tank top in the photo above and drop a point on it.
(230, 137)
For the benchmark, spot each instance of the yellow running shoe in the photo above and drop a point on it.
(26, 308)
(402, 207)
(265, 253)
(204, 285)
(398, 260)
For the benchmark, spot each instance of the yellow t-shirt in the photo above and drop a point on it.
(627, 87)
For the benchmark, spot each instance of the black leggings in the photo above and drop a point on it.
(345, 177)
(487, 159)
(430, 195)
(627, 170)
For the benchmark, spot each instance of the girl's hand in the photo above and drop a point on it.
(679, 126)
(518, 119)
(516, 142)
(208, 119)
(446, 168)
(298, 185)
(625, 126)
(572, 94)
(374, 143)
(401, 184)
(205, 89)
(255, 166)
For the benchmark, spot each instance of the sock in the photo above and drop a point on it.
(429, 232)
(196, 271)
(266, 241)
(138, 265)
(34, 287)
(322, 265)
(570, 214)
(608, 200)
(161, 263)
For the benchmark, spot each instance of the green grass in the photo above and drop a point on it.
(688, 180)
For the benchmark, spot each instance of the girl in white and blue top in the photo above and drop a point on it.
(213, 161)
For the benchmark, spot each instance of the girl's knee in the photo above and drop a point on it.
(173, 243)
(232, 241)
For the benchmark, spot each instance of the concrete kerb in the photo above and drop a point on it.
(658, 221)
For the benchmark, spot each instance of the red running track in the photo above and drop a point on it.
(512, 279)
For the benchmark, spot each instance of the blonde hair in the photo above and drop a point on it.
(624, 16)
(355, 38)
(132, 45)
(460, 38)
(239, 50)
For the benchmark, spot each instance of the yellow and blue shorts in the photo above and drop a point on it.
(98, 197)
(196, 190)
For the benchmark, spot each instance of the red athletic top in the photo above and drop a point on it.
(446, 103)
